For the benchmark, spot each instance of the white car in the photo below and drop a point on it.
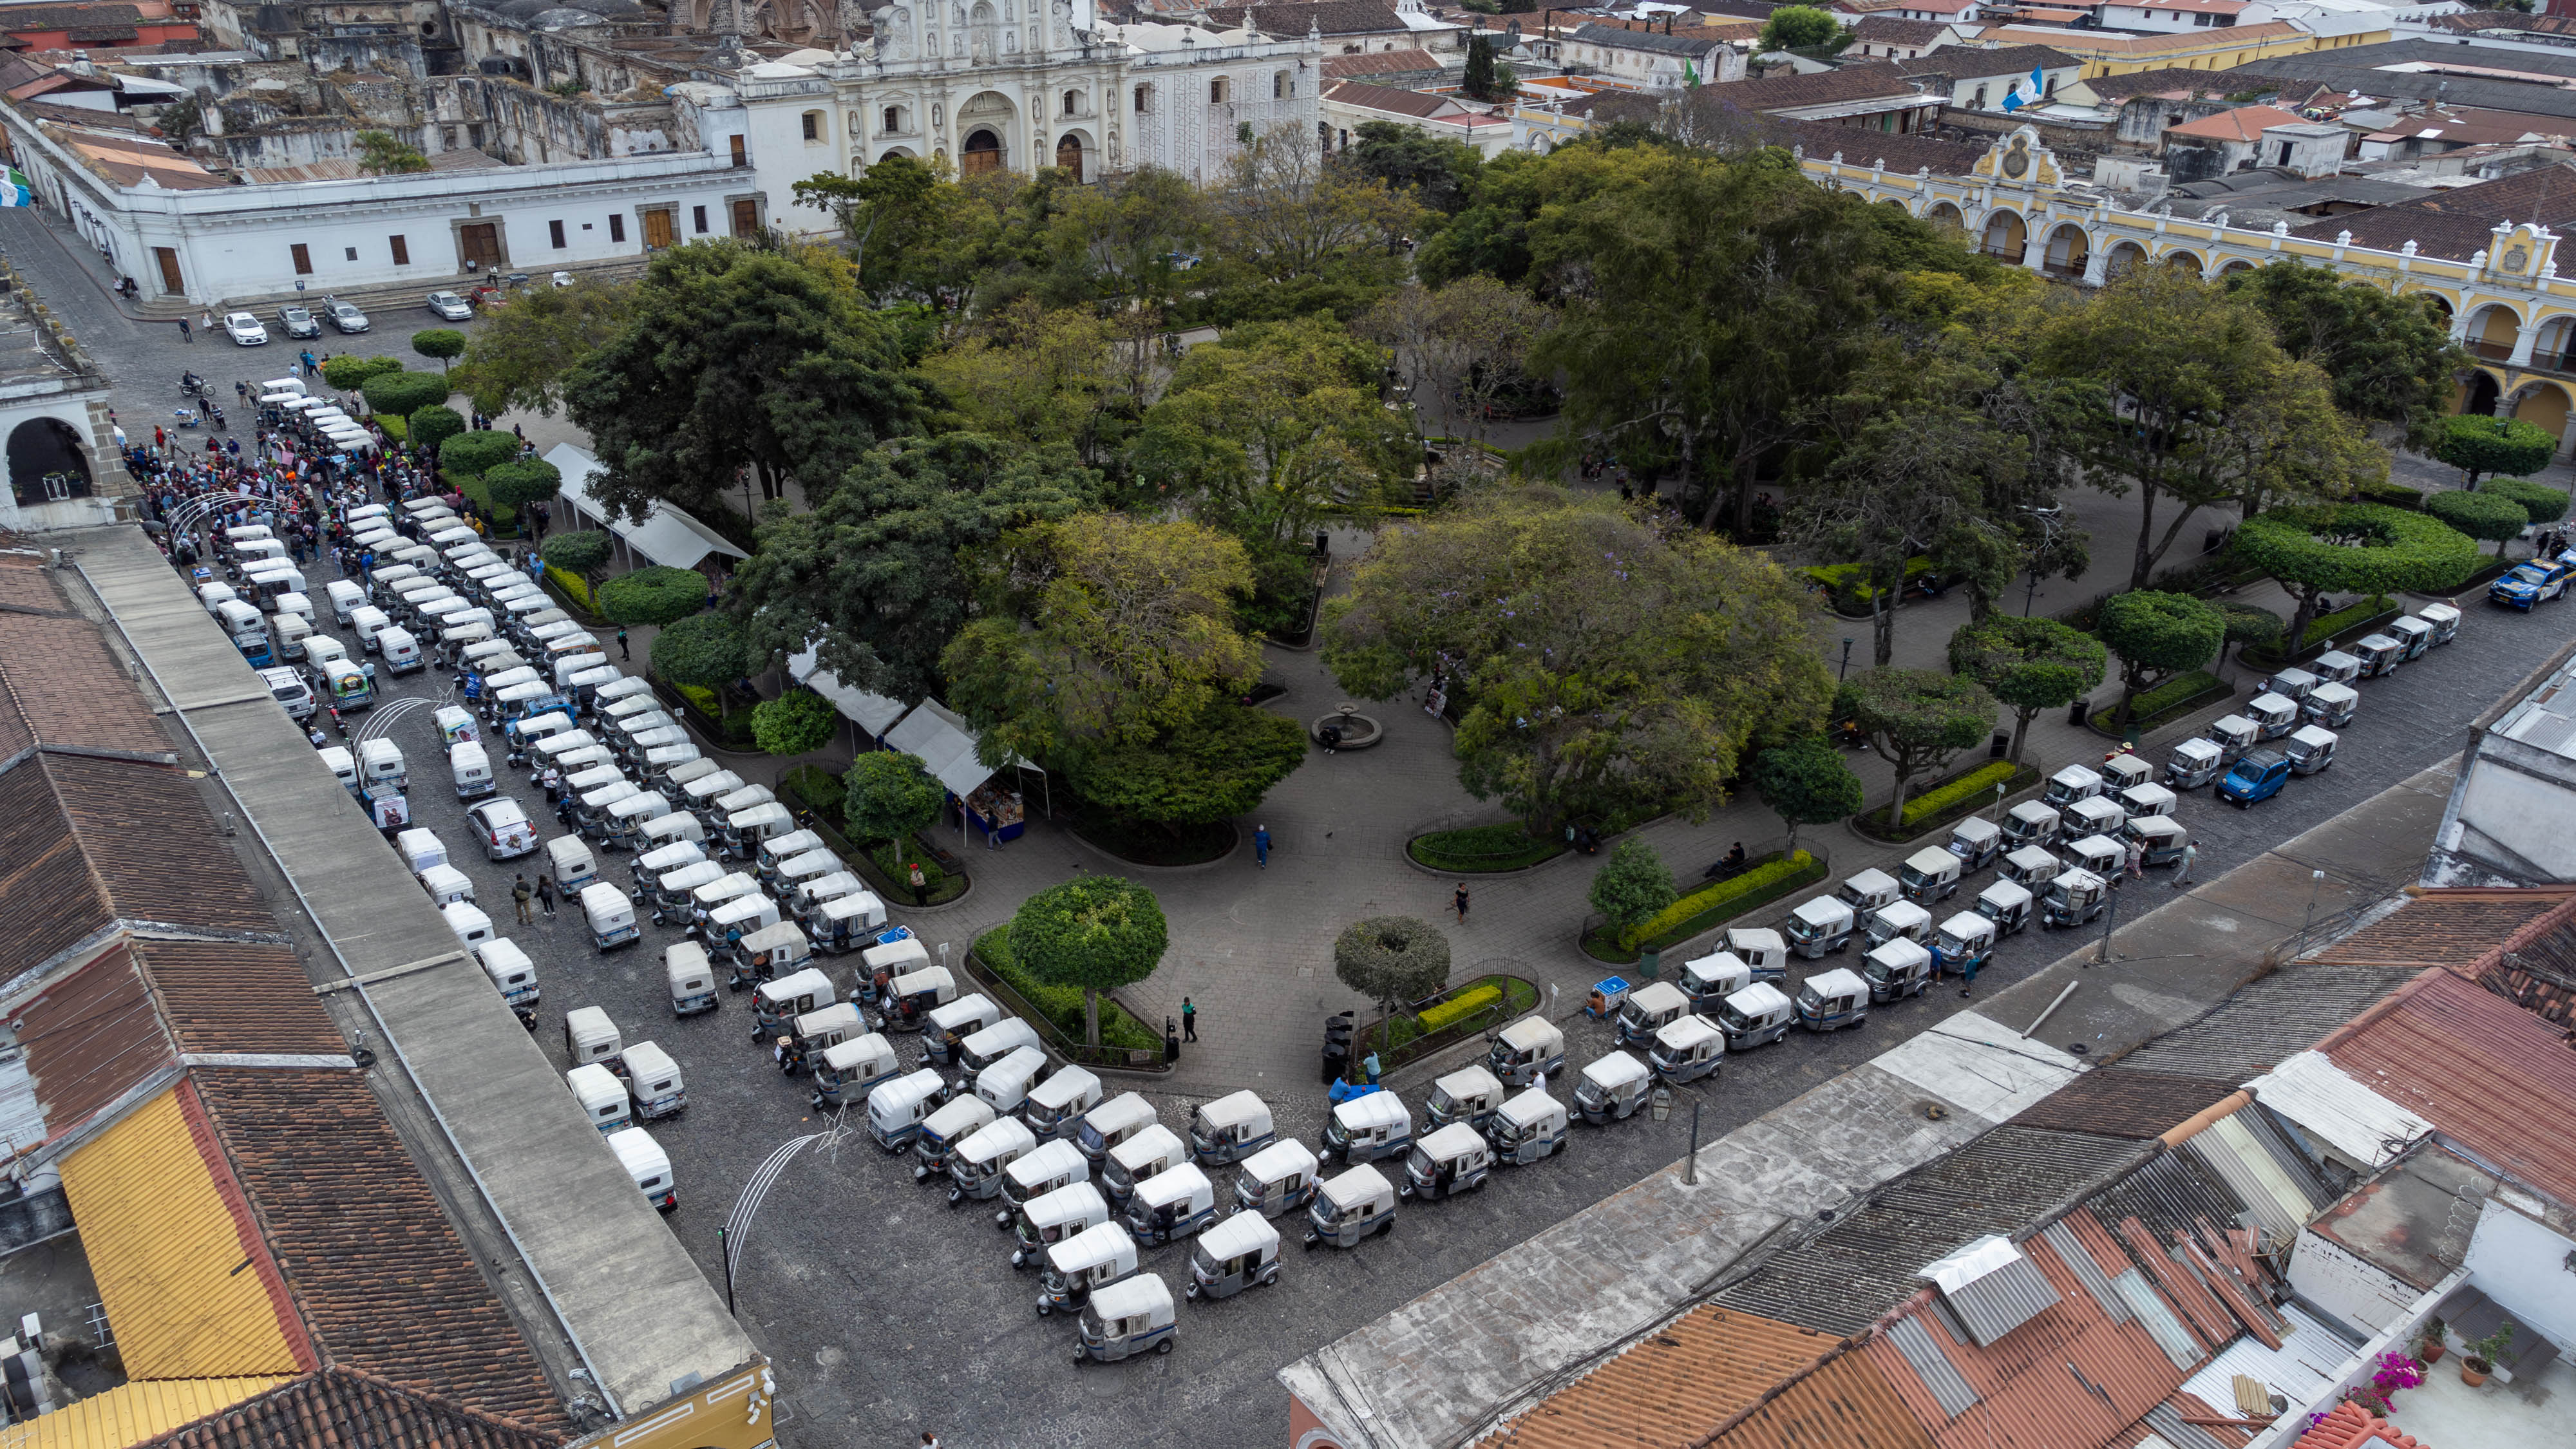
(504, 828)
(244, 330)
(451, 306)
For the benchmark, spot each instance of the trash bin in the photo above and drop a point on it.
(1650, 963)
(2076, 712)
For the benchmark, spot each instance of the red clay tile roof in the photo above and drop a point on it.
(2450, 928)
(59, 684)
(1331, 17)
(2349, 1426)
(1905, 154)
(238, 997)
(2245, 123)
(380, 1277)
(1673, 1386)
(346, 1408)
(1888, 30)
(1845, 1404)
(1394, 101)
(1380, 62)
(2470, 1062)
(91, 1037)
(1872, 80)
(2162, 81)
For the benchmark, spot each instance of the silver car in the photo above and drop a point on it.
(298, 322)
(451, 306)
(344, 315)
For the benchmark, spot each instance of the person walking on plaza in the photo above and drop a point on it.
(1189, 1021)
(184, 334)
(1261, 846)
(546, 894)
(1460, 901)
(2137, 860)
(623, 651)
(920, 886)
(521, 894)
(2182, 877)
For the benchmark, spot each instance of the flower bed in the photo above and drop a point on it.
(1767, 879)
(1481, 848)
(1960, 795)
(1057, 1010)
(2167, 702)
(1409, 1035)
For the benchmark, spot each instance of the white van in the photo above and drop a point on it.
(472, 770)
(401, 650)
(369, 621)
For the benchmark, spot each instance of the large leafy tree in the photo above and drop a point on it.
(522, 481)
(1212, 767)
(2390, 355)
(2488, 515)
(400, 394)
(1806, 783)
(1463, 347)
(2348, 548)
(1129, 238)
(1391, 959)
(1040, 377)
(1799, 27)
(2541, 505)
(794, 723)
(887, 213)
(1098, 933)
(1295, 235)
(1917, 719)
(442, 343)
(1632, 884)
(703, 651)
(872, 577)
(2158, 634)
(2191, 402)
(1440, 172)
(1907, 486)
(518, 357)
(1606, 663)
(472, 454)
(433, 425)
(887, 795)
(2028, 665)
(738, 358)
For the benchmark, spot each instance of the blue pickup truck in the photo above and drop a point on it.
(2524, 585)
(2258, 776)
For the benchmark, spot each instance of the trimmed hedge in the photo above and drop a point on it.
(1463, 1004)
(2395, 495)
(2322, 629)
(1403, 1037)
(1481, 848)
(2178, 695)
(1696, 911)
(881, 866)
(1062, 1005)
(1977, 782)
(2172, 692)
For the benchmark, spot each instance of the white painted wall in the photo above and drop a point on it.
(2523, 1266)
(2346, 1285)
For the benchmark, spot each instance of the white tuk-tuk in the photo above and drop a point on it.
(1833, 1000)
(2007, 904)
(2075, 897)
(1526, 1050)
(1819, 927)
(2070, 785)
(380, 762)
(602, 1096)
(776, 1003)
(674, 895)
(1368, 1127)
(569, 861)
(1966, 941)
(1350, 1207)
(1711, 979)
(692, 980)
(1760, 948)
(512, 973)
(1868, 891)
(446, 883)
(2099, 854)
(2274, 715)
(1056, 1217)
(650, 1167)
(1903, 921)
(342, 765)
(941, 1131)
(611, 916)
(2139, 800)
(2030, 866)
(653, 1082)
(1005, 1085)
(1125, 1319)
(654, 864)
(420, 849)
(2031, 823)
(471, 925)
(815, 1032)
(953, 1023)
(1756, 1016)
(1231, 1128)
(2444, 619)
(1083, 1265)
(1171, 1205)
(911, 993)
(2411, 635)
(1647, 1009)
(1928, 875)
(2332, 705)
(2310, 749)
(2293, 685)
(2195, 762)
(1157, 1149)
(1687, 1050)
(1111, 1123)
(2100, 815)
(589, 1036)
(1611, 1088)
(2123, 768)
(1278, 1179)
(1976, 841)
(2338, 667)
(1241, 1252)
(770, 952)
(900, 1107)
(1898, 969)
(471, 769)
(845, 923)
(1450, 1161)
(747, 914)
(851, 1068)
(744, 830)
(778, 850)
(2235, 735)
(1530, 1127)
(1467, 1095)
(1045, 1168)
(1058, 1102)
(2159, 838)
(984, 1050)
(975, 1168)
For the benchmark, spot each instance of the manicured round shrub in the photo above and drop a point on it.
(794, 723)
(403, 393)
(705, 650)
(434, 425)
(2487, 514)
(467, 455)
(655, 595)
(2542, 504)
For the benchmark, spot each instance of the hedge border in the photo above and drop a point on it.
(2356, 626)
(1557, 848)
(1819, 865)
(2099, 722)
(1099, 1059)
(2022, 780)
(1520, 995)
(861, 861)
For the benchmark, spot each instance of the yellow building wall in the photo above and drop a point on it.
(731, 1413)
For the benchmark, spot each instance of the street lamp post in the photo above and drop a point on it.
(1845, 671)
(2047, 536)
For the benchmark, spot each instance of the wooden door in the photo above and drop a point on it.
(983, 153)
(1068, 154)
(480, 244)
(746, 218)
(168, 260)
(657, 229)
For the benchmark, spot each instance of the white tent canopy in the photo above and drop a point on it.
(667, 535)
(946, 747)
(872, 713)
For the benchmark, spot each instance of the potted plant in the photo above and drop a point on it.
(2433, 1346)
(2478, 1359)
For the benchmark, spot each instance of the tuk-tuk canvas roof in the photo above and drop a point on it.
(1051, 1158)
(2163, 827)
(858, 1051)
(1932, 860)
(1237, 1235)
(745, 798)
(840, 1016)
(2197, 748)
(689, 877)
(1280, 1159)
(595, 1085)
(1455, 1140)
(811, 980)
(1976, 827)
(743, 907)
(647, 1059)
(1721, 967)
(771, 938)
(1128, 1297)
(1900, 952)
(974, 1006)
(685, 961)
(2076, 777)
(769, 813)
(639, 1153)
(1468, 1082)
(1690, 1031)
(1617, 1069)
(1758, 1000)
(790, 845)
(1529, 1031)
(1902, 915)
(1967, 926)
(1177, 1184)
(1657, 996)
(2031, 857)
(1064, 1087)
(1120, 1111)
(856, 903)
(1823, 911)
(812, 862)
(897, 1098)
(1093, 1246)
(1840, 981)
(2006, 893)
(1235, 1109)
(1363, 1183)
(1002, 1134)
(2032, 811)
(895, 955)
(960, 1115)
(1377, 1109)
(1072, 1201)
(1535, 1105)
(2314, 737)
(1754, 938)
(1871, 882)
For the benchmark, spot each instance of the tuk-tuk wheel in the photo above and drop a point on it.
(1043, 1311)
(1313, 1238)
(1191, 1292)
(955, 1197)
(1164, 1347)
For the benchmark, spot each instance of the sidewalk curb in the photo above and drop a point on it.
(1231, 852)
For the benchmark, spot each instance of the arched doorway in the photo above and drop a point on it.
(2126, 257)
(46, 463)
(1946, 214)
(2235, 265)
(2068, 250)
(2187, 261)
(2006, 238)
(983, 153)
(1068, 154)
(2493, 329)
(2544, 405)
(2479, 398)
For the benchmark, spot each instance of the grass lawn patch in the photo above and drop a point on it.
(1768, 879)
(1480, 848)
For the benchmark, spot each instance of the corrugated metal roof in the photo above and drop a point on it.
(190, 1290)
(22, 1117)
(2461, 1057)
(2122, 1101)
(2168, 1422)
(2310, 1359)
(2266, 1021)
(60, 686)
(2445, 927)
(1939, 1376)
(91, 1038)
(2157, 1318)
(2324, 1101)
(2172, 1194)
(2087, 1270)
(2229, 1150)
(1847, 1403)
(1993, 1288)
(133, 1412)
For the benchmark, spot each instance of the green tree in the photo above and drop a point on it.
(704, 651)
(1479, 80)
(1805, 782)
(887, 795)
(379, 154)
(655, 595)
(434, 425)
(1916, 719)
(1463, 348)
(518, 358)
(2190, 400)
(1124, 239)
(737, 358)
(794, 723)
(1907, 486)
(2343, 548)
(582, 553)
(2542, 506)
(522, 481)
(888, 213)
(1099, 933)
(1303, 236)
(1606, 665)
(2390, 355)
(1632, 884)
(1040, 378)
(2248, 625)
(400, 394)
(472, 454)
(348, 373)
(2488, 515)
(439, 342)
(1391, 959)
(2028, 665)
(2156, 635)
(1441, 173)
(872, 577)
(2478, 445)
(1212, 767)
(1799, 27)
